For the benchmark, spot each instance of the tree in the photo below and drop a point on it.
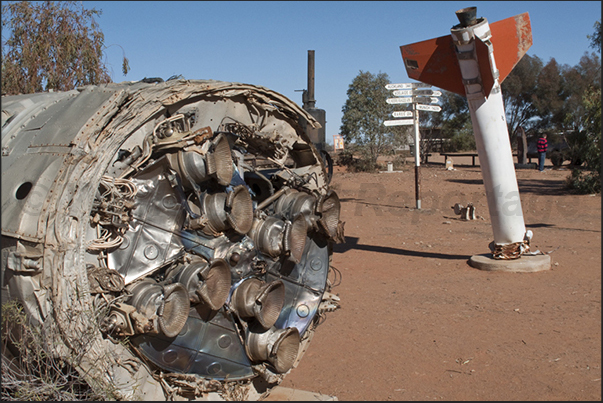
(590, 182)
(588, 131)
(577, 81)
(454, 121)
(364, 112)
(518, 89)
(51, 45)
(452, 125)
(547, 98)
(595, 38)
(536, 95)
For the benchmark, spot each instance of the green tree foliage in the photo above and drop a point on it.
(51, 45)
(588, 128)
(551, 98)
(454, 121)
(364, 112)
(595, 38)
(547, 98)
(519, 89)
(589, 181)
(577, 80)
(452, 125)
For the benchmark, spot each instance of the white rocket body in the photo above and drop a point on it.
(491, 136)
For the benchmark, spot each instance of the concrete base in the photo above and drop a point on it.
(526, 263)
(281, 394)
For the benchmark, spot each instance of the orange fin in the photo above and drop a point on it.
(434, 61)
(511, 39)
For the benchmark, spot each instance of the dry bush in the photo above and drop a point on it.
(29, 370)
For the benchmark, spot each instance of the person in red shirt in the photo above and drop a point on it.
(541, 146)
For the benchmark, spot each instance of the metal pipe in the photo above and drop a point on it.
(417, 157)
(272, 198)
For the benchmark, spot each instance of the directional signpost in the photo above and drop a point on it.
(428, 93)
(426, 100)
(399, 122)
(420, 96)
(403, 93)
(429, 108)
(406, 86)
(402, 114)
(399, 100)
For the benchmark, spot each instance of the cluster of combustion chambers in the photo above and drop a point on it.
(214, 258)
(170, 238)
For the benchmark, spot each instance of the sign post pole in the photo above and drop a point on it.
(413, 93)
(417, 158)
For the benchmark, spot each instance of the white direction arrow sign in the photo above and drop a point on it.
(430, 108)
(406, 86)
(399, 100)
(432, 93)
(402, 114)
(431, 100)
(400, 122)
(402, 93)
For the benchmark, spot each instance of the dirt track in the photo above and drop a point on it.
(418, 323)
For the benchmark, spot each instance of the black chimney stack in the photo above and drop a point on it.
(309, 104)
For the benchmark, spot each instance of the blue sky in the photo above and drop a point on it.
(267, 43)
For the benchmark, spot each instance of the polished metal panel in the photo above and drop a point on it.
(208, 348)
(151, 239)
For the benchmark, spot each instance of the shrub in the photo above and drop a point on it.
(556, 158)
(30, 371)
(590, 147)
(460, 141)
(354, 163)
(399, 161)
(584, 183)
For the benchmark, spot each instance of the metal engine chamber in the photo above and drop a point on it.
(181, 227)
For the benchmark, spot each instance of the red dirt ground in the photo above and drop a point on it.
(418, 323)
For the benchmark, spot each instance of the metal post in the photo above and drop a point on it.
(417, 158)
(311, 100)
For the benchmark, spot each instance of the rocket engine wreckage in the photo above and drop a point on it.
(175, 236)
